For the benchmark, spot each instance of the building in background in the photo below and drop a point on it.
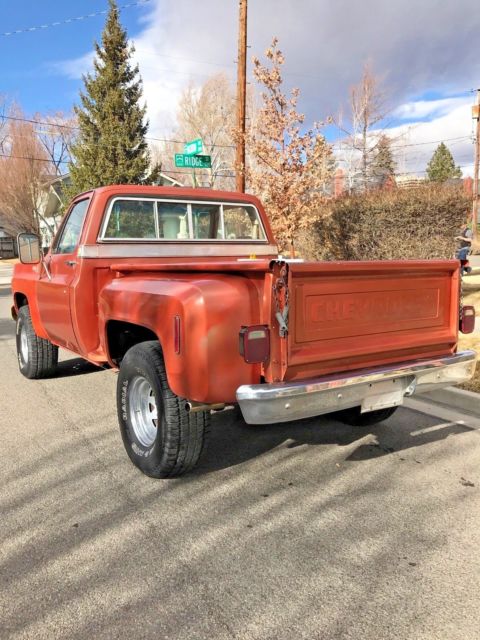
(8, 246)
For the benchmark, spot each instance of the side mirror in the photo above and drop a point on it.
(28, 248)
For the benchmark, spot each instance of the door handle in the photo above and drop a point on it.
(71, 263)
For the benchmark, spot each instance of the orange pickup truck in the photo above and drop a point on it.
(183, 292)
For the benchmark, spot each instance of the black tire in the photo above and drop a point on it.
(171, 444)
(357, 419)
(37, 357)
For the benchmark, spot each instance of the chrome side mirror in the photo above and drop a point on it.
(28, 248)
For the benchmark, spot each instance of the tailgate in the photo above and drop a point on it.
(355, 315)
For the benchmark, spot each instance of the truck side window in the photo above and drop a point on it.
(241, 223)
(207, 221)
(132, 219)
(72, 228)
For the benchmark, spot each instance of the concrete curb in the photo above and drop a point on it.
(453, 397)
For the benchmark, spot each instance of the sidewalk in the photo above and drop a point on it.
(6, 271)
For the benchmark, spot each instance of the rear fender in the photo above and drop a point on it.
(209, 311)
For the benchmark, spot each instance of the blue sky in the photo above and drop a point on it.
(426, 53)
(28, 60)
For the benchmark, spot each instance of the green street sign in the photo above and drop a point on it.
(193, 148)
(193, 162)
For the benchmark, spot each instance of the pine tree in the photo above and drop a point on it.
(442, 166)
(383, 165)
(111, 146)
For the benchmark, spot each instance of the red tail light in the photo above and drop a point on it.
(254, 343)
(467, 320)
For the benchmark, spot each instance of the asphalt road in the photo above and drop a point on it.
(312, 530)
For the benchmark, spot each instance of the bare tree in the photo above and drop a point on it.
(208, 112)
(368, 108)
(56, 133)
(288, 166)
(3, 122)
(23, 171)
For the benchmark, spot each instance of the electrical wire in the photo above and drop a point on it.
(229, 175)
(224, 146)
(58, 161)
(72, 128)
(58, 23)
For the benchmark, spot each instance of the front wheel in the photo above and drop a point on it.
(161, 438)
(37, 357)
(357, 419)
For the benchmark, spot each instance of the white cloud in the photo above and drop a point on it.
(74, 69)
(415, 142)
(420, 109)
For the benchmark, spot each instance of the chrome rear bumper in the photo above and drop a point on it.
(371, 389)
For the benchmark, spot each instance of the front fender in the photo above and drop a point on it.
(211, 309)
(24, 285)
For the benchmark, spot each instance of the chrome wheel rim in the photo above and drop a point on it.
(143, 411)
(23, 345)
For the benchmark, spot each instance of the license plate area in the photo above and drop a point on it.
(384, 394)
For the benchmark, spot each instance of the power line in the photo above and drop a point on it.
(33, 159)
(58, 23)
(418, 144)
(413, 144)
(48, 124)
(224, 146)
(72, 128)
(58, 161)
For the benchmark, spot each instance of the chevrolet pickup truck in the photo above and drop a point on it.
(183, 292)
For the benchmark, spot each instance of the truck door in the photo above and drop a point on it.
(54, 294)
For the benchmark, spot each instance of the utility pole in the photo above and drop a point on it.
(476, 116)
(241, 96)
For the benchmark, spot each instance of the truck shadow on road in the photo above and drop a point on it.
(233, 442)
(75, 367)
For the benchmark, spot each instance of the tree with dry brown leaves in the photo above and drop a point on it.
(288, 165)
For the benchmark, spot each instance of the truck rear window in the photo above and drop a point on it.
(149, 219)
(131, 219)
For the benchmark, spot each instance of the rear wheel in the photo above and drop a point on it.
(357, 419)
(161, 438)
(37, 357)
